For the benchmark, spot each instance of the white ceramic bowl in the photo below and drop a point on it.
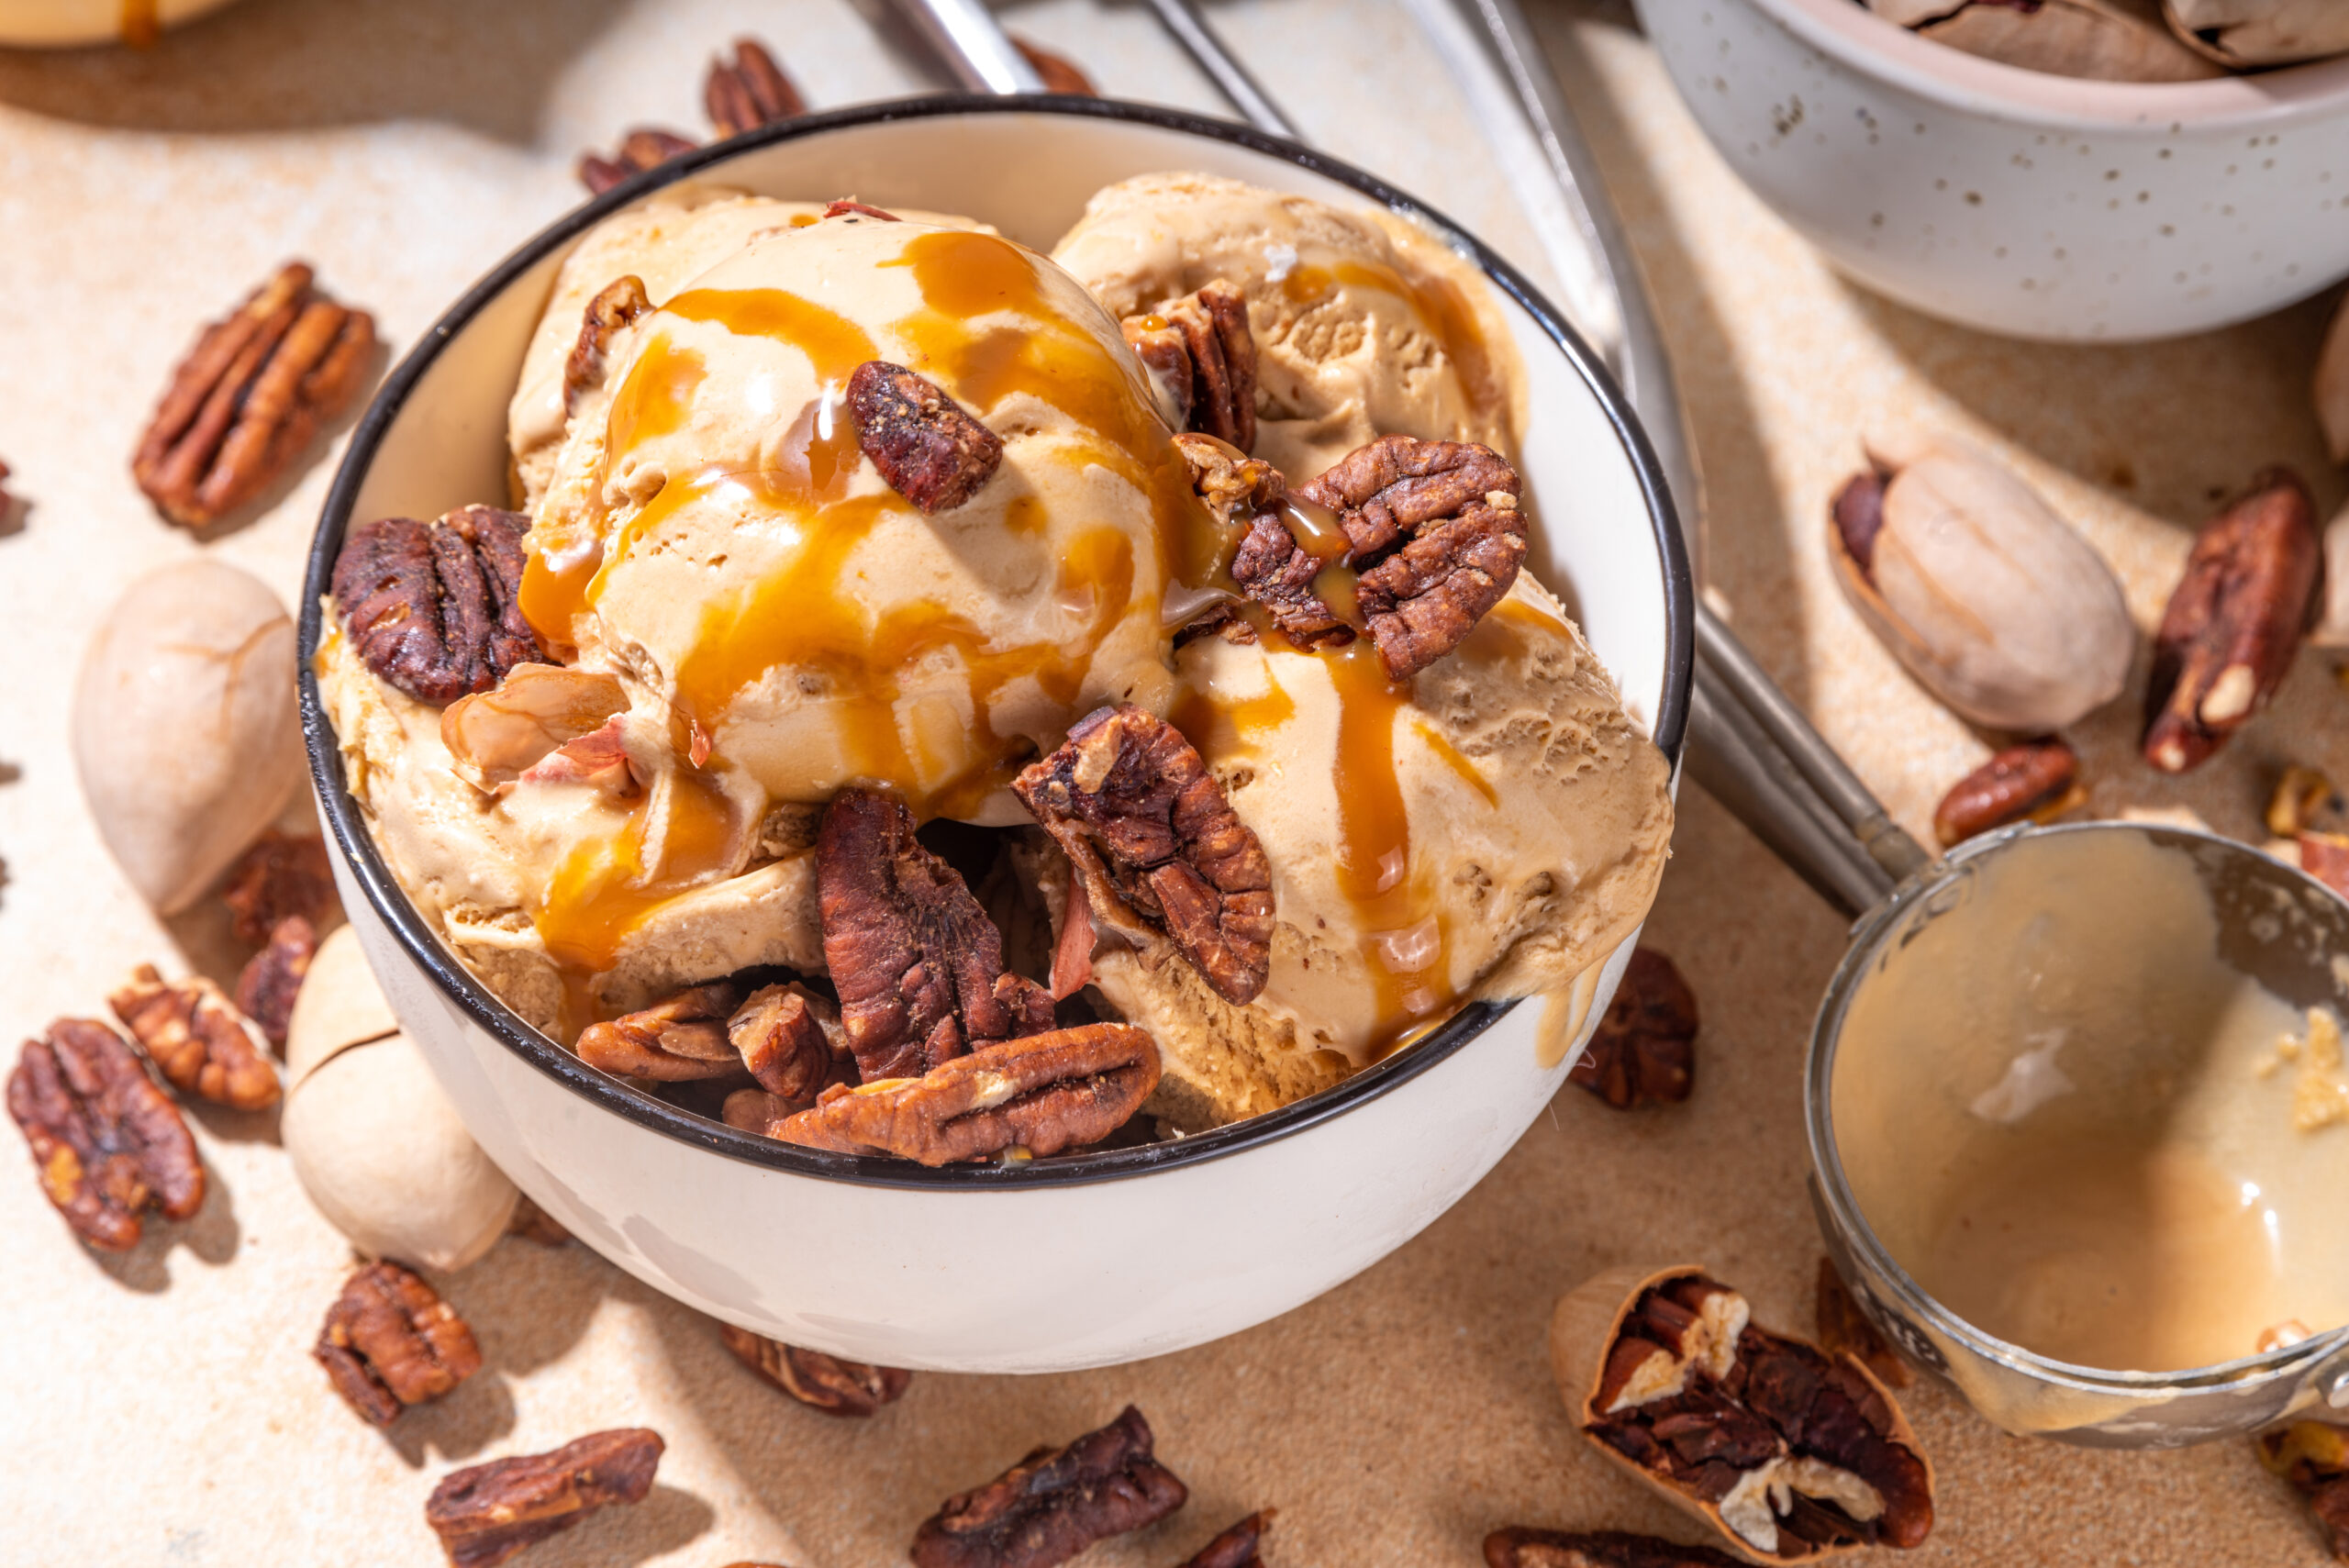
(2014, 201)
(1065, 1263)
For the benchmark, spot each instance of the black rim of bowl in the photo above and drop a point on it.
(485, 1010)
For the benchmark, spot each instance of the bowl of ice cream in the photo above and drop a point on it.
(813, 775)
(2017, 201)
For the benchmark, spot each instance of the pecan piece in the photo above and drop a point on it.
(390, 1341)
(249, 397)
(646, 146)
(1130, 802)
(1055, 1503)
(273, 977)
(1058, 73)
(1277, 571)
(1844, 1330)
(1044, 1092)
(1201, 353)
(204, 1045)
(620, 305)
(2234, 621)
(535, 1224)
(2325, 856)
(2305, 801)
(1519, 1547)
(1644, 1051)
(1236, 1547)
(784, 1035)
(823, 1383)
(484, 1514)
(2039, 780)
(283, 874)
(917, 965)
(749, 91)
(106, 1140)
(846, 206)
(930, 451)
(1234, 485)
(2314, 1457)
(679, 1040)
(434, 609)
(1451, 505)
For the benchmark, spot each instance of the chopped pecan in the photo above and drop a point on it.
(621, 303)
(2039, 780)
(818, 1381)
(1451, 505)
(2325, 856)
(1200, 352)
(917, 965)
(1130, 802)
(679, 1040)
(484, 1514)
(204, 1045)
(535, 1224)
(2314, 1457)
(784, 1035)
(1236, 1547)
(2234, 621)
(1844, 1330)
(282, 876)
(1044, 1092)
(390, 1341)
(434, 609)
(1055, 1503)
(926, 446)
(750, 91)
(1644, 1051)
(1235, 486)
(1058, 74)
(846, 205)
(249, 397)
(646, 146)
(2305, 801)
(1519, 1547)
(106, 1140)
(273, 977)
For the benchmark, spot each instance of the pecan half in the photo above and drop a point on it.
(1044, 1093)
(1519, 1547)
(249, 397)
(1858, 513)
(1236, 1547)
(273, 977)
(2039, 780)
(2234, 621)
(930, 451)
(620, 305)
(820, 1382)
(2314, 1457)
(1130, 802)
(1644, 1051)
(646, 146)
(390, 1341)
(196, 1036)
(283, 874)
(1277, 571)
(679, 1040)
(1844, 1330)
(1452, 507)
(484, 1514)
(749, 91)
(434, 609)
(784, 1035)
(917, 965)
(106, 1140)
(1058, 73)
(1201, 353)
(1055, 1503)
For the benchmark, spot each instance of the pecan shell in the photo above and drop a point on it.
(646, 146)
(390, 1341)
(434, 609)
(105, 1139)
(2234, 621)
(1519, 1547)
(1044, 1092)
(1055, 1503)
(249, 397)
(930, 450)
(749, 91)
(2037, 780)
(1201, 353)
(1130, 802)
(283, 876)
(679, 1039)
(272, 978)
(1237, 1547)
(1644, 1051)
(820, 1382)
(204, 1045)
(485, 1513)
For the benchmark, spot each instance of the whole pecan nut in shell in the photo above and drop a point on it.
(925, 444)
(1519, 1547)
(1130, 802)
(199, 1039)
(822, 1383)
(1201, 353)
(249, 397)
(749, 91)
(106, 1140)
(273, 977)
(1644, 1051)
(435, 608)
(485, 1513)
(1055, 1503)
(2234, 621)
(282, 874)
(390, 1341)
(2037, 781)
(646, 146)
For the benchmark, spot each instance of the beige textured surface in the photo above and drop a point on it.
(162, 1408)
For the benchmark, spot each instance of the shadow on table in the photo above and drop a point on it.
(285, 65)
(621, 1537)
(212, 1234)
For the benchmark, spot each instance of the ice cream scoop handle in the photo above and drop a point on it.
(1184, 22)
(971, 44)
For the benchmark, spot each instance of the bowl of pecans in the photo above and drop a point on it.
(985, 873)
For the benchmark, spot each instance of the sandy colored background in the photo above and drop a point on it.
(162, 1408)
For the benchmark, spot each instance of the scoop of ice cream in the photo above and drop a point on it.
(1364, 327)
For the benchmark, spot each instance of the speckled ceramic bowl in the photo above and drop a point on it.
(2014, 201)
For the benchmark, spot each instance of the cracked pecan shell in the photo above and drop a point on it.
(250, 395)
(484, 1514)
(199, 1039)
(749, 91)
(390, 1341)
(108, 1142)
(1644, 1050)
(1519, 1547)
(646, 146)
(1129, 801)
(1201, 353)
(434, 609)
(925, 444)
(822, 1383)
(272, 978)
(1055, 1503)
